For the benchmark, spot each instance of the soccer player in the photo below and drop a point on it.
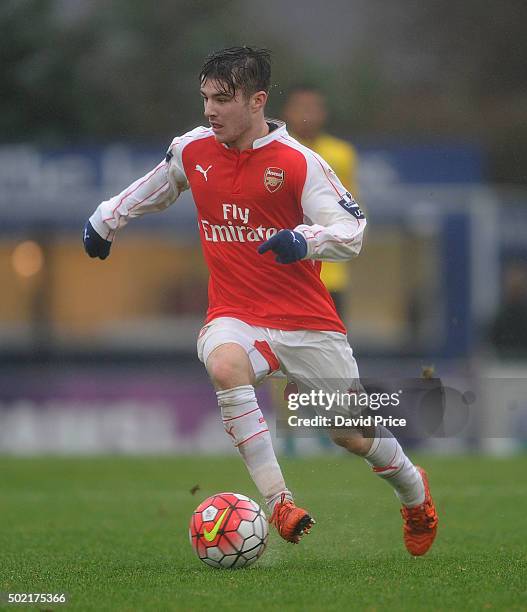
(269, 211)
(305, 112)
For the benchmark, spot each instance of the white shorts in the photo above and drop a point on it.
(316, 359)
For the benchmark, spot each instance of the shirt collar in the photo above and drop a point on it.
(277, 129)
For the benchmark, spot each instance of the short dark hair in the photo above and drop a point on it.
(244, 68)
(304, 87)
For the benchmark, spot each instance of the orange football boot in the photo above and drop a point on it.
(290, 521)
(420, 522)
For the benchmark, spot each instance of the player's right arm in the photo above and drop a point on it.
(154, 192)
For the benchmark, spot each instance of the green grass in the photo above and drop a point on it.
(112, 533)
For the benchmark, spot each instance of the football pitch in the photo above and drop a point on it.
(112, 534)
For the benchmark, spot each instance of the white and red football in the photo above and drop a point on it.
(228, 530)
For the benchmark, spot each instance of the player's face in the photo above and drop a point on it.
(305, 114)
(229, 116)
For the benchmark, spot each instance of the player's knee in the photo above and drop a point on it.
(228, 366)
(353, 441)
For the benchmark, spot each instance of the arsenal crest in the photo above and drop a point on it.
(273, 179)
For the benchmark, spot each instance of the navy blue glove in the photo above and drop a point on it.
(288, 245)
(94, 245)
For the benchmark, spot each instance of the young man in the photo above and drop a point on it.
(269, 210)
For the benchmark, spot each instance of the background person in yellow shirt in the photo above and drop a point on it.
(305, 112)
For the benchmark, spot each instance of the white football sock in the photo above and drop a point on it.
(389, 462)
(244, 422)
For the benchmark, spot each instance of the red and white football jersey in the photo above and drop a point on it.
(242, 199)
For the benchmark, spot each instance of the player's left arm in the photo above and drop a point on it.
(334, 223)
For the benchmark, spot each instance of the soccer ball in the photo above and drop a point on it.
(228, 530)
